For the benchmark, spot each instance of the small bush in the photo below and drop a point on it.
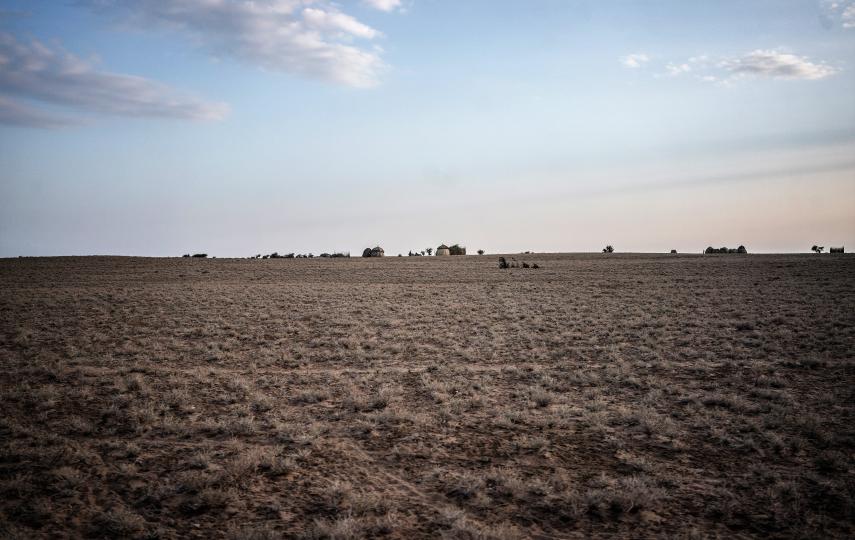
(480, 252)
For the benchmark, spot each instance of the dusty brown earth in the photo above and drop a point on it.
(601, 395)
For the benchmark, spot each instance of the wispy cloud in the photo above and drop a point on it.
(759, 64)
(635, 60)
(677, 69)
(335, 21)
(776, 65)
(35, 71)
(842, 11)
(311, 38)
(383, 5)
(17, 114)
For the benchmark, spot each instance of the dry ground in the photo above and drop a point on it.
(636, 396)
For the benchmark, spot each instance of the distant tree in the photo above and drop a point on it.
(480, 252)
(817, 249)
(457, 249)
(410, 254)
(423, 253)
(188, 255)
(608, 249)
(366, 252)
(200, 255)
(429, 251)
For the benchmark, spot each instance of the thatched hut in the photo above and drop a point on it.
(377, 252)
(442, 251)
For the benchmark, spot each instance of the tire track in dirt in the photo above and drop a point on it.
(435, 503)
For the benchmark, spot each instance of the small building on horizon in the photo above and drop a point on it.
(442, 251)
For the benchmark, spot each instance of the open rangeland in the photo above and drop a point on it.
(600, 395)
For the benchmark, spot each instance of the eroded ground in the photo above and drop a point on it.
(422, 397)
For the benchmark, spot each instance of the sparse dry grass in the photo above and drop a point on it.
(427, 397)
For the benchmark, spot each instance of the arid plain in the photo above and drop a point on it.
(598, 396)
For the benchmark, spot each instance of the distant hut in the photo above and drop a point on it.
(836, 249)
(673, 252)
(442, 251)
(377, 252)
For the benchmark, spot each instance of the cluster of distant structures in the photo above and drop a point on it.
(441, 251)
(819, 249)
(457, 249)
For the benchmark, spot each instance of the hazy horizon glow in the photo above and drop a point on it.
(233, 127)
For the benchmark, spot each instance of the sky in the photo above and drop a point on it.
(236, 127)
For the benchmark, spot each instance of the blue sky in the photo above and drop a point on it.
(162, 127)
